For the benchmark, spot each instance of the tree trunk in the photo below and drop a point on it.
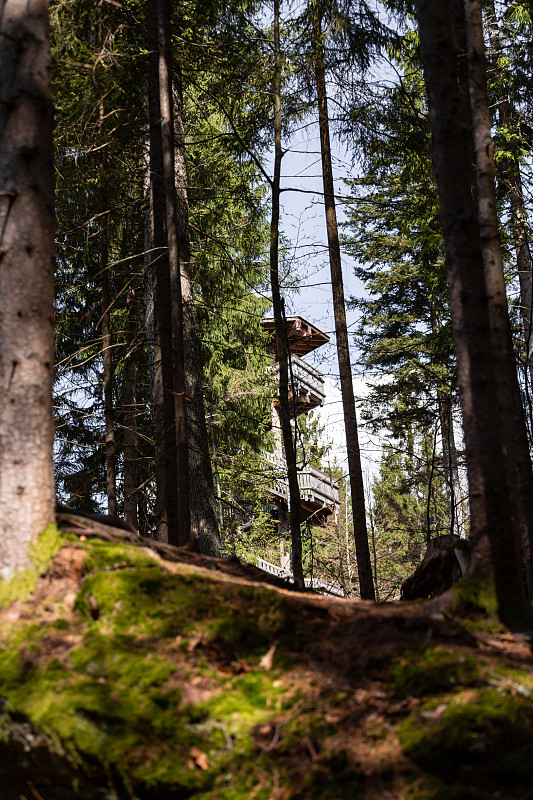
(450, 465)
(524, 267)
(281, 328)
(166, 463)
(131, 447)
(514, 432)
(450, 462)
(204, 523)
(131, 435)
(362, 550)
(107, 356)
(511, 178)
(493, 498)
(180, 399)
(26, 280)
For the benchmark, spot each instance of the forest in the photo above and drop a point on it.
(202, 593)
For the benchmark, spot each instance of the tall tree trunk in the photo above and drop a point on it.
(514, 432)
(511, 178)
(450, 462)
(166, 464)
(524, 266)
(450, 465)
(107, 356)
(26, 280)
(364, 567)
(204, 525)
(169, 175)
(492, 494)
(281, 328)
(131, 434)
(131, 446)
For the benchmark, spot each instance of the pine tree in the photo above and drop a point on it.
(26, 280)
(409, 508)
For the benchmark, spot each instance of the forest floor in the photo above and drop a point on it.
(125, 674)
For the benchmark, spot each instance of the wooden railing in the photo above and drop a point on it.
(311, 583)
(315, 485)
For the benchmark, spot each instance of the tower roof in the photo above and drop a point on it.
(303, 336)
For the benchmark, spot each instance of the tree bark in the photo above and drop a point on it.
(364, 567)
(493, 499)
(131, 434)
(450, 462)
(107, 356)
(166, 463)
(204, 525)
(131, 447)
(450, 465)
(27, 226)
(281, 327)
(514, 432)
(178, 361)
(511, 179)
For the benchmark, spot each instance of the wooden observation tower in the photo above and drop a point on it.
(319, 494)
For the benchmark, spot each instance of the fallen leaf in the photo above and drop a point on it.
(69, 600)
(268, 659)
(333, 718)
(240, 666)
(199, 758)
(194, 641)
(264, 730)
(433, 714)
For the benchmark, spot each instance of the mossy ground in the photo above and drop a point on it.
(139, 678)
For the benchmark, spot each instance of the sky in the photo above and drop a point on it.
(303, 224)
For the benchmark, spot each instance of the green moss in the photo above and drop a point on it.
(246, 701)
(488, 739)
(42, 551)
(21, 586)
(107, 702)
(108, 556)
(475, 595)
(432, 671)
(320, 784)
(15, 659)
(145, 600)
(61, 624)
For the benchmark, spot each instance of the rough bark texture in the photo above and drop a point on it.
(164, 428)
(107, 356)
(450, 461)
(131, 446)
(493, 500)
(514, 432)
(204, 524)
(178, 361)
(510, 176)
(524, 268)
(364, 567)
(281, 329)
(451, 466)
(26, 279)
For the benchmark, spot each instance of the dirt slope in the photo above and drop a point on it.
(127, 675)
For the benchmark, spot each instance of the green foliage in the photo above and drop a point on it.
(393, 231)
(409, 507)
(101, 66)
